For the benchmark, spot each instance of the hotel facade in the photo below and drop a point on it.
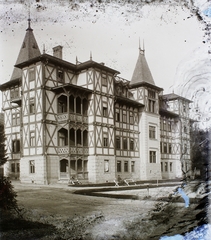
(83, 121)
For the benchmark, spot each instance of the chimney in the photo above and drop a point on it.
(57, 51)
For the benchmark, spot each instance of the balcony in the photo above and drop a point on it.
(72, 117)
(73, 150)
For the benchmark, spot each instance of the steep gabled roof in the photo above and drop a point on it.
(29, 49)
(142, 73)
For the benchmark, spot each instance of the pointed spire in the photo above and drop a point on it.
(90, 55)
(142, 73)
(29, 49)
(76, 60)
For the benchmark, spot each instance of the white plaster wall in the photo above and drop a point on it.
(39, 176)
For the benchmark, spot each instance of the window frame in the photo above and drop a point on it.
(126, 168)
(31, 166)
(119, 166)
(152, 156)
(105, 139)
(32, 139)
(152, 132)
(106, 166)
(32, 106)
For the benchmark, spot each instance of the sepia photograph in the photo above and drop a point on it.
(105, 119)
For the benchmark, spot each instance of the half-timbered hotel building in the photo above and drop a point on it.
(65, 120)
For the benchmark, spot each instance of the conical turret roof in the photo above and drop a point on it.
(29, 49)
(142, 73)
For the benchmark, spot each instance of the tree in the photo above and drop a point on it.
(3, 156)
(7, 194)
(200, 151)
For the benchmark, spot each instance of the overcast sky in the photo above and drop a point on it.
(110, 31)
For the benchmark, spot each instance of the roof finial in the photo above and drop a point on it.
(90, 55)
(76, 60)
(29, 19)
(139, 44)
(140, 49)
(43, 48)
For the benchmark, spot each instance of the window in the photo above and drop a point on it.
(125, 166)
(32, 139)
(13, 167)
(184, 108)
(185, 129)
(119, 166)
(132, 166)
(170, 166)
(63, 140)
(131, 118)
(169, 126)
(60, 75)
(124, 116)
(151, 101)
(117, 115)
(31, 74)
(152, 156)
(105, 109)
(170, 148)
(16, 146)
(16, 119)
(164, 147)
(161, 167)
(18, 167)
(14, 93)
(152, 132)
(185, 148)
(166, 166)
(151, 94)
(106, 165)
(105, 139)
(117, 142)
(151, 106)
(131, 144)
(62, 104)
(32, 166)
(125, 143)
(31, 106)
(104, 79)
(164, 125)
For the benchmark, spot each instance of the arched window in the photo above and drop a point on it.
(85, 138)
(62, 137)
(72, 137)
(78, 134)
(85, 106)
(71, 104)
(64, 165)
(78, 105)
(62, 104)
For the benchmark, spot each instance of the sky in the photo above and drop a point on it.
(111, 32)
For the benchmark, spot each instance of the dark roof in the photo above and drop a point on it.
(173, 96)
(164, 112)
(129, 101)
(68, 86)
(10, 83)
(29, 49)
(146, 84)
(141, 72)
(66, 64)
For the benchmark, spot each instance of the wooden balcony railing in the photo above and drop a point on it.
(72, 117)
(73, 150)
